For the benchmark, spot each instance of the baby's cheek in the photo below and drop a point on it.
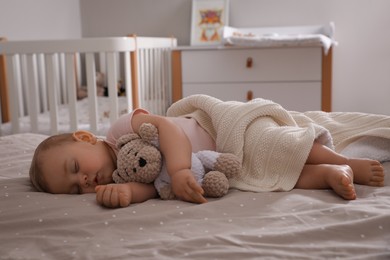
(109, 179)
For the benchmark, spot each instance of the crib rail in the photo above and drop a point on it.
(42, 75)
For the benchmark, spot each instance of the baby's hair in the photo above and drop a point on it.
(35, 173)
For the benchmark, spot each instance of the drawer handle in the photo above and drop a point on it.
(249, 62)
(249, 95)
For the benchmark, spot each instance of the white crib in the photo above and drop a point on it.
(39, 80)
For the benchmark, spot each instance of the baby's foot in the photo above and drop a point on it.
(340, 179)
(367, 172)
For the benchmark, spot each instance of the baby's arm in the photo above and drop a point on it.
(176, 148)
(122, 195)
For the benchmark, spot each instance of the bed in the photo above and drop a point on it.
(41, 82)
(301, 224)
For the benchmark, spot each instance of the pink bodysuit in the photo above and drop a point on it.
(199, 138)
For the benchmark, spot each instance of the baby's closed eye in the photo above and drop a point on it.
(75, 167)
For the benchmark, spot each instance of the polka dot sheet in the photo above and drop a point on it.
(301, 224)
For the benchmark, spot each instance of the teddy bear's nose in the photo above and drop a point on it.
(142, 162)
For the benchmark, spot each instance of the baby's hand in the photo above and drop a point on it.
(185, 187)
(113, 195)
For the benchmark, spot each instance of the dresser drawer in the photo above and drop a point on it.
(297, 96)
(251, 65)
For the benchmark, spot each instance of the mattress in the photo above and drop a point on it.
(300, 224)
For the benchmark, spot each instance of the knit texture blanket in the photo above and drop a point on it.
(271, 142)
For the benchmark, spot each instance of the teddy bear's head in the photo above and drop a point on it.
(138, 160)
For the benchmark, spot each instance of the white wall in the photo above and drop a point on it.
(142, 17)
(39, 19)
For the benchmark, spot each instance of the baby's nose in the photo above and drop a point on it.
(83, 178)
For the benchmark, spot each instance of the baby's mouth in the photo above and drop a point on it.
(97, 178)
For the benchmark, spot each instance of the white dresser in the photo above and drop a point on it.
(299, 78)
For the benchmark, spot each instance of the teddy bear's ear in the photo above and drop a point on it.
(149, 133)
(124, 139)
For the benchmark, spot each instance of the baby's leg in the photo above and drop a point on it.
(325, 176)
(365, 171)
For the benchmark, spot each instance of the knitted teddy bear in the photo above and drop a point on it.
(139, 160)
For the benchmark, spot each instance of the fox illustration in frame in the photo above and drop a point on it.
(208, 19)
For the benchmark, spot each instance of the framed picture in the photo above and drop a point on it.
(208, 19)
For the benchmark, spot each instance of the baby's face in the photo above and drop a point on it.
(77, 167)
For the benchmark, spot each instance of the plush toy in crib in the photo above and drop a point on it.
(101, 88)
(140, 160)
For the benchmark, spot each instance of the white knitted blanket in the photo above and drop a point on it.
(272, 143)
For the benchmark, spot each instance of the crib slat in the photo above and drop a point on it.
(168, 79)
(149, 71)
(168, 68)
(141, 79)
(161, 83)
(112, 86)
(164, 89)
(13, 75)
(42, 83)
(63, 93)
(78, 69)
(161, 89)
(157, 81)
(23, 95)
(32, 92)
(127, 81)
(152, 76)
(145, 84)
(52, 81)
(91, 88)
(71, 86)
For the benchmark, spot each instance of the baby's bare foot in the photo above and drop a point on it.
(367, 172)
(340, 179)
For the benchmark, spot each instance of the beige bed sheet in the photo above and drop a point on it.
(301, 224)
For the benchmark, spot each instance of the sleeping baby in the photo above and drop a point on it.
(279, 151)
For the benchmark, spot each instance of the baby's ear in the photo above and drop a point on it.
(84, 136)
